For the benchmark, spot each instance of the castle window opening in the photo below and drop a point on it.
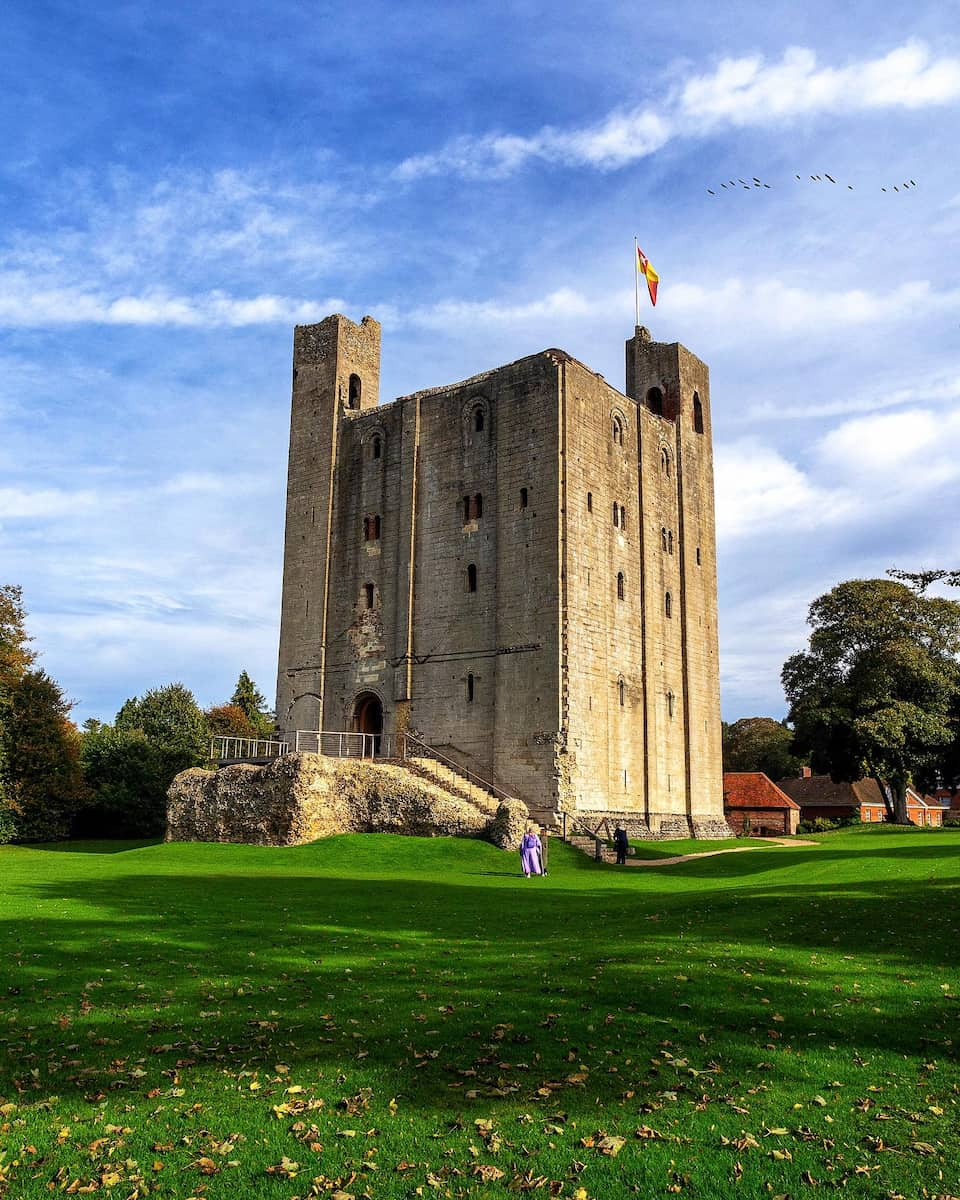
(663, 537)
(589, 501)
(670, 700)
(617, 431)
(523, 497)
(616, 515)
(697, 414)
(655, 401)
(698, 556)
(620, 589)
(376, 448)
(665, 461)
(470, 689)
(376, 529)
(472, 577)
(668, 605)
(368, 591)
(621, 691)
(371, 529)
(353, 395)
(477, 506)
(669, 541)
(478, 420)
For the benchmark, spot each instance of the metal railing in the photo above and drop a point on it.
(237, 749)
(342, 744)
(579, 827)
(411, 747)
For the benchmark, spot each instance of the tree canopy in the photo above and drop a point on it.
(760, 744)
(248, 697)
(875, 693)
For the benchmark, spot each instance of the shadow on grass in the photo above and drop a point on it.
(93, 846)
(430, 982)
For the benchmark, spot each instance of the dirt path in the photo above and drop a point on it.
(679, 858)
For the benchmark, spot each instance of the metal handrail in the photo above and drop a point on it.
(337, 743)
(404, 740)
(225, 746)
(579, 822)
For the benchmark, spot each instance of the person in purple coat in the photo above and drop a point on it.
(531, 853)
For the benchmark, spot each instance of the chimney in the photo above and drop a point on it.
(806, 773)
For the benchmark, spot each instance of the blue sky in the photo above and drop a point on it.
(181, 184)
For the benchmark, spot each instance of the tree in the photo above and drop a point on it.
(130, 764)
(45, 778)
(921, 580)
(229, 720)
(760, 744)
(15, 659)
(251, 700)
(874, 693)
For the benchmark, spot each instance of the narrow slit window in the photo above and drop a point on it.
(376, 529)
(472, 577)
(663, 537)
(620, 587)
(698, 557)
(669, 541)
(665, 461)
(470, 689)
(368, 590)
(616, 515)
(466, 509)
(617, 431)
(477, 506)
(478, 420)
(376, 448)
(621, 692)
(589, 501)
(668, 605)
(523, 497)
(697, 414)
(670, 701)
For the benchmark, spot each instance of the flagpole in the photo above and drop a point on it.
(636, 281)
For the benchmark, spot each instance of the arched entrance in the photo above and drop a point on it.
(368, 718)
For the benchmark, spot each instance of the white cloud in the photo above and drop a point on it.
(23, 504)
(739, 92)
(906, 452)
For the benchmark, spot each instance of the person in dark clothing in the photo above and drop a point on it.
(620, 844)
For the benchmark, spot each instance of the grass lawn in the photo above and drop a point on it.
(397, 1017)
(693, 846)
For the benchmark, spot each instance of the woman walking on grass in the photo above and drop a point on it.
(531, 853)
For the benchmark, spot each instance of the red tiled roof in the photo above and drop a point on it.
(752, 789)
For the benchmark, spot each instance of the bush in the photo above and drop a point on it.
(818, 825)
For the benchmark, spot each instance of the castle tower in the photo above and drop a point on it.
(336, 370)
(671, 388)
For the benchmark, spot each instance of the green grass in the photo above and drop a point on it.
(693, 846)
(398, 1014)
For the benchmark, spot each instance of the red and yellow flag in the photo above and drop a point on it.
(645, 267)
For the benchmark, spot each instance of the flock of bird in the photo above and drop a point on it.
(753, 182)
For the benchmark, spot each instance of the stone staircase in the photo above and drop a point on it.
(451, 781)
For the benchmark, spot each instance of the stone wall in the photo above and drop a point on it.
(302, 797)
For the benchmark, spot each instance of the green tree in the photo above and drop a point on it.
(921, 580)
(16, 658)
(760, 744)
(229, 720)
(43, 760)
(874, 694)
(248, 697)
(130, 765)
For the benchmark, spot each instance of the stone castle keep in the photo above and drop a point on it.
(518, 569)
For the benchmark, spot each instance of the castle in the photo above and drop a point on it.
(519, 569)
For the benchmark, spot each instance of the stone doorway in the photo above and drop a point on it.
(368, 718)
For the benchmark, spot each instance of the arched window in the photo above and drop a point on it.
(376, 448)
(621, 692)
(655, 401)
(478, 420)
(665, 461)
(589, 501)
(697, 414)
(355, 389)
(523, 497)
(663, 537)
(617, 431)
(478, 505)
(472, 577)
(368, 590)
(623, 516)
(620, 590)
(668, 605)
(470, 689)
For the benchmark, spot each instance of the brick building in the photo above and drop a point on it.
(518, 568)
(754, 804)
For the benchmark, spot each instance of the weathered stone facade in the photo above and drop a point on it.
(519, 568)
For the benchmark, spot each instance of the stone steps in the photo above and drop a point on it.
(452, 781)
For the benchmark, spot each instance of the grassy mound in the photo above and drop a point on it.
(373, 1015)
